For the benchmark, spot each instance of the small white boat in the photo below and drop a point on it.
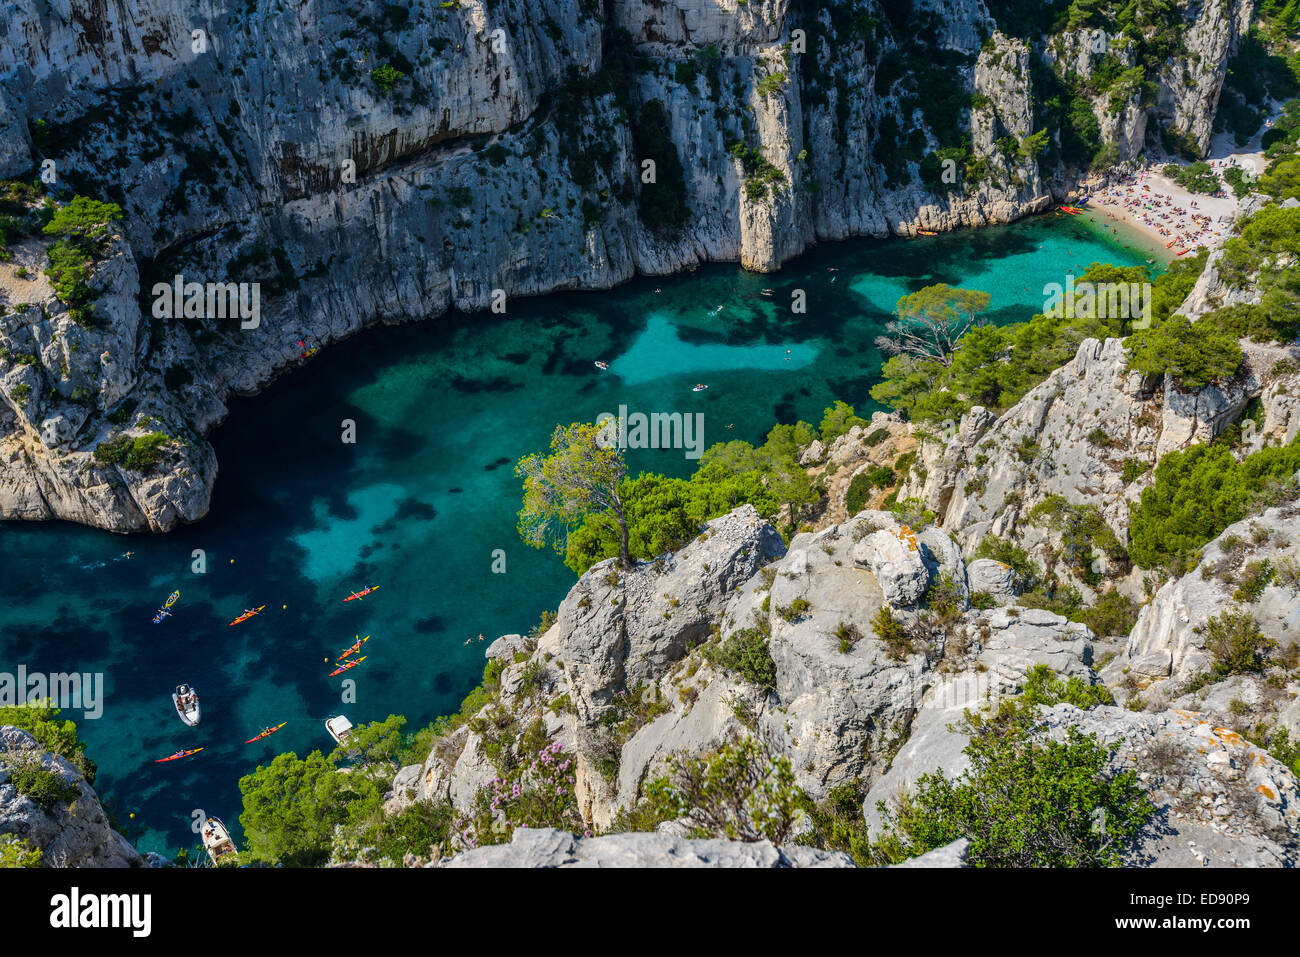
(339, 727)
(602, 366)
(186, 700)
(216, 840)
(699, 387)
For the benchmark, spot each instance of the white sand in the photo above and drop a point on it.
(1180, 220)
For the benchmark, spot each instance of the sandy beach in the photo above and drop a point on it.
(1179, 220)
(1154, 206)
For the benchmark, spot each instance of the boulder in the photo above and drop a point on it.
(618, 627)
(994, 579)
(893, 555)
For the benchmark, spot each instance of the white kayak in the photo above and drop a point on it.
(186, 700)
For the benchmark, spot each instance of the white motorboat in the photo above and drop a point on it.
(186, 700)
(339, 728)
(216, 840)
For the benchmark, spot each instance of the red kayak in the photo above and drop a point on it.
(349, 665)
(354, 649)
(178, 755)
(247, 615)
(267, 732)
(363, 593)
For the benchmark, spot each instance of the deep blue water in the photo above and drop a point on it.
(443, 409)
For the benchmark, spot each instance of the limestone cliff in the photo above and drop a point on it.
(372, 162)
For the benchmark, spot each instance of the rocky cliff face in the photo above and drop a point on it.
(1168, 646)
(374, 162)
(69, 834)
(1090, 433)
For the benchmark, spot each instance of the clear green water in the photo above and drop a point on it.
(443, 409)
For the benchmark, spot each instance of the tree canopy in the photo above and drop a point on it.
(1200, 492)
(580, 478)
(931, 320)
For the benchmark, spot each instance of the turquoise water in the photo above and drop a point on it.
(427, 493)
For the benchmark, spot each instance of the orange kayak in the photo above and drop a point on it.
(354, 649)
(267, 733)
(178, 755)
(348, 666)
(247, 615)
(362, 594)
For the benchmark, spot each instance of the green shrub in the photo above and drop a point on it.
(741, 792)
(663, 514)
(55, 736)
(1236, 642)
(1111, 614)
(1194, 354)
(140, 453)
(1255, 577)
(1133, 470)
(1008, 553)
(84, 222)
(386, 77)
(746, 653)
(1024, 802)
(1044, 687)
(15, 852)
(837, 823)
(47, 789)
(838, 420)
(891, 631)
(855, 499)
(292, 806)
(1200, 492)
(1197, 177)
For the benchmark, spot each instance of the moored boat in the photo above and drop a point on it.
(216, 840)
(339, 728)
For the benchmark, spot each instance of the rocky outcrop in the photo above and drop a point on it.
(1167, 646)
(625, 680)
(1221, 801)
(1089, 433)
(550, 848)
(1007, 644)
(497, 146)
(617, 629)
(75, 834)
